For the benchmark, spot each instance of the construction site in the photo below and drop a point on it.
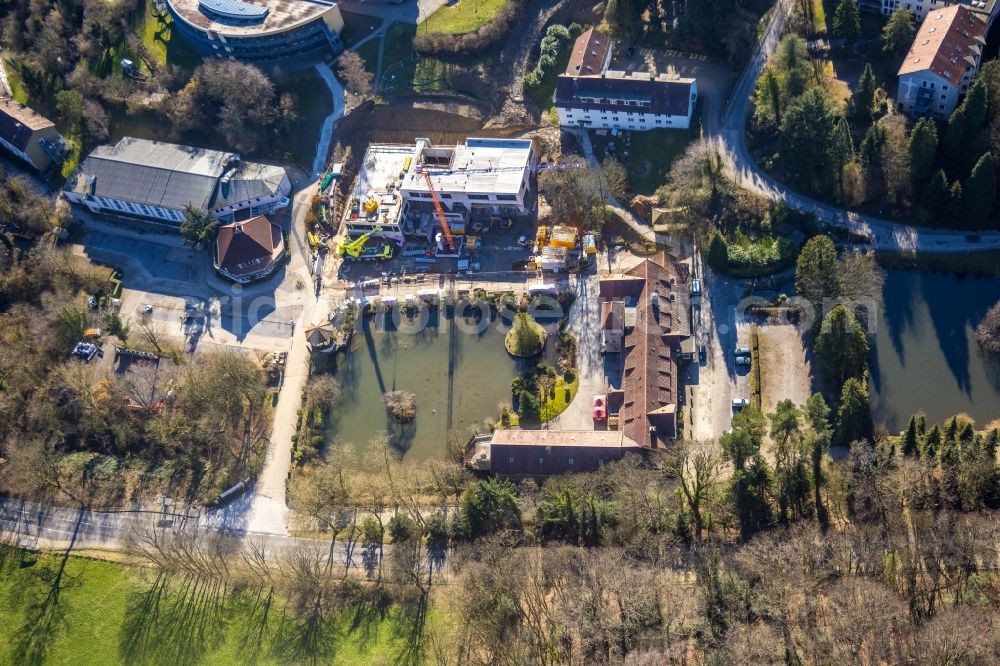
(465, 208)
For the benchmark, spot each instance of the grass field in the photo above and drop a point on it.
(553, 407)
(462, 16)
(650, 155)
(357, 27)
(79, 612)
(402, 72)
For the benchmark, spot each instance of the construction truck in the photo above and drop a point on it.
(355, 250)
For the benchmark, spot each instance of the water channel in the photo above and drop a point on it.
(926, 356)
(456, 366)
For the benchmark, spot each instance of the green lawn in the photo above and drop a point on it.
(553, 407)
(462, 16)
(369, 53)
(357, 27)
(649, 156)
(165, 48)
(403, 71)
(93, 612)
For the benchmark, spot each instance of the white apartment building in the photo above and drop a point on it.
(626, 101)
(156, 181)
(941, 63)
(987, 9)
(491, 176)
(590, 95)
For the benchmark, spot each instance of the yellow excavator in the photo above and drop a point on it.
(354, 249)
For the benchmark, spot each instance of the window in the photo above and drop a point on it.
(506, 197)
(511, 460)
(445, 195)
(570, 461)
(541, 461)
(479, 197)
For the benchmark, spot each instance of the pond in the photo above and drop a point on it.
(456, 366)
(926, 356)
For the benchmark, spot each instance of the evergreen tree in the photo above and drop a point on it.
(864, 96)
(910, 442)
(718, 252)
(805, 136)
(854, 417)
(847, 22)
(936, 194)
(980, 190)
(488, 507)
(923, 149)
(931, 444)
(198, 228)
(749, 495)
(956, 135)
(841, 346)
(625, 18)
(768, 97)
(870, 150)
(816, 271)
(841, 149)
(976, 106)
(897, 35)
(817, 415)
(955, 210)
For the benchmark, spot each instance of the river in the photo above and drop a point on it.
(926, 356)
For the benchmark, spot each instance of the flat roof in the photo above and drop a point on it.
(269, 15)
(478, 165)
(378, 178)
(593, 438)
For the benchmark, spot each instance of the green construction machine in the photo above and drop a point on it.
(355, 250)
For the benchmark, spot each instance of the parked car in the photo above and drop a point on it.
(742, 360)
(695, 287)
(702, 354)
(740, 403)
(742, 351)
(600, 411)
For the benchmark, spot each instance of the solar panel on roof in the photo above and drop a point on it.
(234, 9)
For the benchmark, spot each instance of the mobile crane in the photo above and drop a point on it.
(354, 249)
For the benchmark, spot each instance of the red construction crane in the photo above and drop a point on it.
(449, 239)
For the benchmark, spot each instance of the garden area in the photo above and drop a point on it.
(462, 16)
(646, 156)
(544, 391)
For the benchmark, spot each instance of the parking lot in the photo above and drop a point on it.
(192, 308)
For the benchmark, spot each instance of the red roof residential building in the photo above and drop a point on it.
(591, 54)
(248, 250)
(941, 62)
(655, 299)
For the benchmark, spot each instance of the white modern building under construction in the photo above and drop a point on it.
(397, 185)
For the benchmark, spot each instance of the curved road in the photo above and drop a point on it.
(728, 133)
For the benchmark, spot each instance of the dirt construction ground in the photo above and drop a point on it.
(785, 370)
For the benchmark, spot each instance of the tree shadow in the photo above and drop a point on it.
(45, 617)
(176, 620)
(413, 622)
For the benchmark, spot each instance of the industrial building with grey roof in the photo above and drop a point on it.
(158, 181)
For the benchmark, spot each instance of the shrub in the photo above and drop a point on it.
(401, 405)
(569, 376)
(988, 331)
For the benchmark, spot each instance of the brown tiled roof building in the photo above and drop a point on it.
(655, 298)
(28, 135)
(591, 54)
(248, 250)
(944, 57)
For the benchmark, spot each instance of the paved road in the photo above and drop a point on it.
(36, 525)
(268, 511)
(584, 323)
(730, 137)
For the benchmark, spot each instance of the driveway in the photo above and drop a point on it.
(584, 323)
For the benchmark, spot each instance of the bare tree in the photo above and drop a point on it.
(357, 78)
